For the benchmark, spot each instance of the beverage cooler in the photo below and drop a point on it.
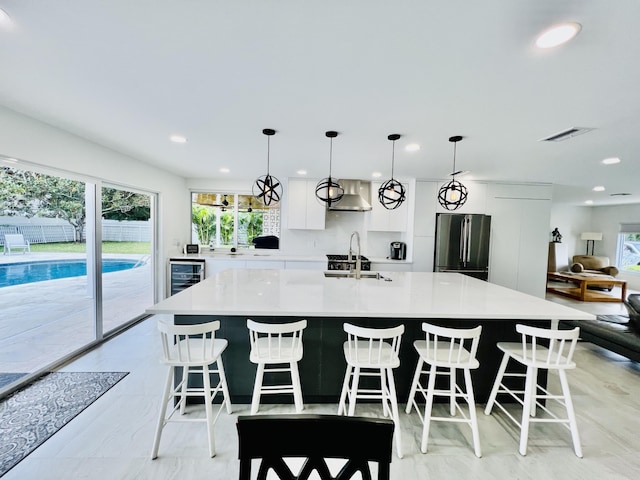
(184, 272)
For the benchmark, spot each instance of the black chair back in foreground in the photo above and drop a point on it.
(314, 438)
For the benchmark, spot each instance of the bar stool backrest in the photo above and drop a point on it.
(547, 348)
(448, 347)
(315, 438)
(185, 344)
(273, 342)
(374, 346)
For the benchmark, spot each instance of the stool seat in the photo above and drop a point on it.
(532, 353)
(276, 347)
(190, 350)
(443, 352)
(372, 352)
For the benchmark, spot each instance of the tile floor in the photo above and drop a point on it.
(112, 438)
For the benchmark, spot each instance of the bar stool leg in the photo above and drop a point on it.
(496, 384)
(342, 407)
(208, 408)
(257, 387)
(223, 383)
(353, 394)
(414, 386)
(529, 385)
(163, 410)
(394, 410)
(427, 409)
(570, 413)
(384, 393)
(472, 412)
(452, 392)
(185, 383)
(297, 389)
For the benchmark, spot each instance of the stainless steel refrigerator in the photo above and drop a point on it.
(462, 244)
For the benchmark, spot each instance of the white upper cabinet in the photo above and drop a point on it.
(304, 211)
(383, 220)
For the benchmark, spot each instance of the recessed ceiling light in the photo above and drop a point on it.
(412, 147)
(178, 139)
(599, 188)
(611, 161)
(589, 202)
(5, 19)
(301, 172)
(376, 174)
(224, 170)
(558, 34)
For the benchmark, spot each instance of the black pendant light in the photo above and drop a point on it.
(267, 188)
(392, 193)
(453, 195)
(328, 190)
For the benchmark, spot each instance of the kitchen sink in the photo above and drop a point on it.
(349, 274)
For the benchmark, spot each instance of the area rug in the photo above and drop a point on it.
(32, 415)
(7, 378)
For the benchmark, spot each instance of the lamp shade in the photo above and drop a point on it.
(591, 236)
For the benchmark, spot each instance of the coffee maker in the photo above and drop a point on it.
(398, 251)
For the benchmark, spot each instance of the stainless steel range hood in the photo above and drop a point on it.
(357, 196)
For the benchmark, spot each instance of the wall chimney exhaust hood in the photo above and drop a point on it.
(357, 196)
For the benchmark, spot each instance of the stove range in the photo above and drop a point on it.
(341, 262)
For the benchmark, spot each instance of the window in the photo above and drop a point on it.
(226, 220)
(629, 248)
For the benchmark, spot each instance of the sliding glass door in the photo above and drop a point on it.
(76, 264)
(127, 267)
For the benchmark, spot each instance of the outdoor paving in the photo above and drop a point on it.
(43, 321)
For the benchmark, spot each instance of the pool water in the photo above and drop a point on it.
(30, 272)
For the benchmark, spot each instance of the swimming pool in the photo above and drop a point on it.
(29, 272)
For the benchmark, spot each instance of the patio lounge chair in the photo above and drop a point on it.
(16, 241)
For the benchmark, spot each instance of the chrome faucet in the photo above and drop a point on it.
(358, 257)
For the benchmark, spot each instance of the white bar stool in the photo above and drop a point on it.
(443, 352)
(372, 352)
(276, 344)
(189, 350)
(530, 353)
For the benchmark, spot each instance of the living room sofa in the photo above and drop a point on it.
(593, 264)
(615, 333)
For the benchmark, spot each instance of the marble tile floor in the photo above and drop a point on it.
(112, 438)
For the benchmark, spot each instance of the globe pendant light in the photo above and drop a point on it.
(392, 193)
(328, 190)
(453, 195)
(267, 188)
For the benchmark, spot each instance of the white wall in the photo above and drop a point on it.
(571, 221)
(41, 144)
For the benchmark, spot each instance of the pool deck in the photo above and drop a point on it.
(43, 321)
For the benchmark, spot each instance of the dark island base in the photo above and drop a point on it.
(323, 366)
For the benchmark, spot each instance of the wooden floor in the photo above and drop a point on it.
(112, 438)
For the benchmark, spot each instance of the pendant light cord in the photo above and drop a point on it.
(330, 154)
(455, 144)
(268, 149)
(393, 157)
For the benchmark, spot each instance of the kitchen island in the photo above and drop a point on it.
(447, 299)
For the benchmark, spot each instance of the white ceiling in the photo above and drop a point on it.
(128, 73)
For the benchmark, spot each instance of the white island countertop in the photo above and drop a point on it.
(408, 295)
